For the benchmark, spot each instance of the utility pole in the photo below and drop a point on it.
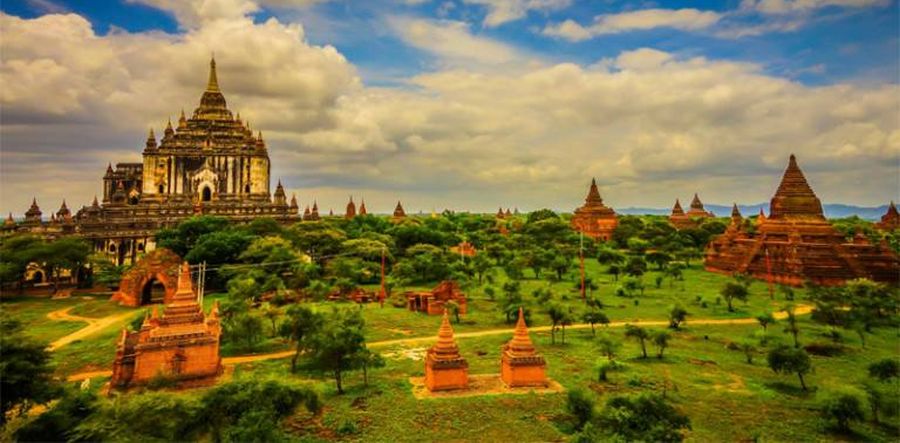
(383, 294)
(769, 276)
(581, 259)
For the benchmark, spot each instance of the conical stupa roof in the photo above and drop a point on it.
(794, 197)
(445, 348)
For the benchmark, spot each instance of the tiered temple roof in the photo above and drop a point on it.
(595, 219)
(796, 243)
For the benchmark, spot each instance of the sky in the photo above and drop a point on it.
(466, 104)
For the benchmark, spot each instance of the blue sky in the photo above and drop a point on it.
(838, 43)
(467, 104)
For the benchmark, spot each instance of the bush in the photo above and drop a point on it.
(843, 409)
(580, 406)
(645, 417)
(885, 370)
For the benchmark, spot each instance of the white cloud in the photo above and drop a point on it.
(683, 19)
(649, 124)
(791, 6)
(503, 11)
(452, 41)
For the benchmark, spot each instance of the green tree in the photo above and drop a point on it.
(640, 334)
(58, 423)
(66, 253)
(482, 266)
(301, 325)
(783, 359)
(884, 369)
(661, 340)
(659, 258)
(645, 417)
(843, 409)
(182, 239)
(593, 317)
(677, 316)
(792, 325)
(733, 291)
(251, 410)
(608, 346)
(338, 343)
(26, 377)
(271, 313)
(559, 318)
(247, 327)
(765, 319)
(580, 406)
(636, 266)
(748, 348)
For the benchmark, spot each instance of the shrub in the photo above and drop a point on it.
(843, 409)
(885, 369)
(580, 406)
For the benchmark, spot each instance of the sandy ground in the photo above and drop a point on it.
(481, 384)
(94, 325)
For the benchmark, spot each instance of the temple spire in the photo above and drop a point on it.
(213, 84)
(794, 197)
(594, 193)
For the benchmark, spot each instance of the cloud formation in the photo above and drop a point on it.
(650, 125)
(504, 11)
(688, 19)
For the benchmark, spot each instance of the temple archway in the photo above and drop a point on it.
(153, 279)
(153, 292)
(206, 194)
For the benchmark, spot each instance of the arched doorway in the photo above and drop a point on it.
(153, 292)
(206, 194)
(37, 277)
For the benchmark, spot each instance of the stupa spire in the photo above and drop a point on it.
(445, 348)
(677, 210)
(212, 85)
(794, 197)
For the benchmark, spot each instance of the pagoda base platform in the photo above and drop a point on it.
(482, 384)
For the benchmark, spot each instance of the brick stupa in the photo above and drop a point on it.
(520, 365)
(183, 344)
(890, 221)
(594, 219)
(399, 213)
(796, 244)
(690, 219)
(445, 369)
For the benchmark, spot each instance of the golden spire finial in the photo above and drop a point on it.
(213, 84)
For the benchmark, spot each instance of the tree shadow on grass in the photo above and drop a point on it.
(793, 390)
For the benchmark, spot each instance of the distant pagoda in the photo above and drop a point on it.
(690, 219)
(399, 213)
(796, 243)
(890, 221)
(595, 219)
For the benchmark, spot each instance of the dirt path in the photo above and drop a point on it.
(94, 325)
(231, 361)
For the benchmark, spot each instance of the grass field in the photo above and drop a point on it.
(725, 397)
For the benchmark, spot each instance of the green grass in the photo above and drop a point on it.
(725, 398)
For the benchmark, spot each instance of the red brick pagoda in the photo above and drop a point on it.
(445, 369)
(520, 365)
(795, 244)
(890, 221)
(183, 344)
(595, 219)
(690, 219)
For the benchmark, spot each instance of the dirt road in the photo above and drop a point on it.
(94, 325)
